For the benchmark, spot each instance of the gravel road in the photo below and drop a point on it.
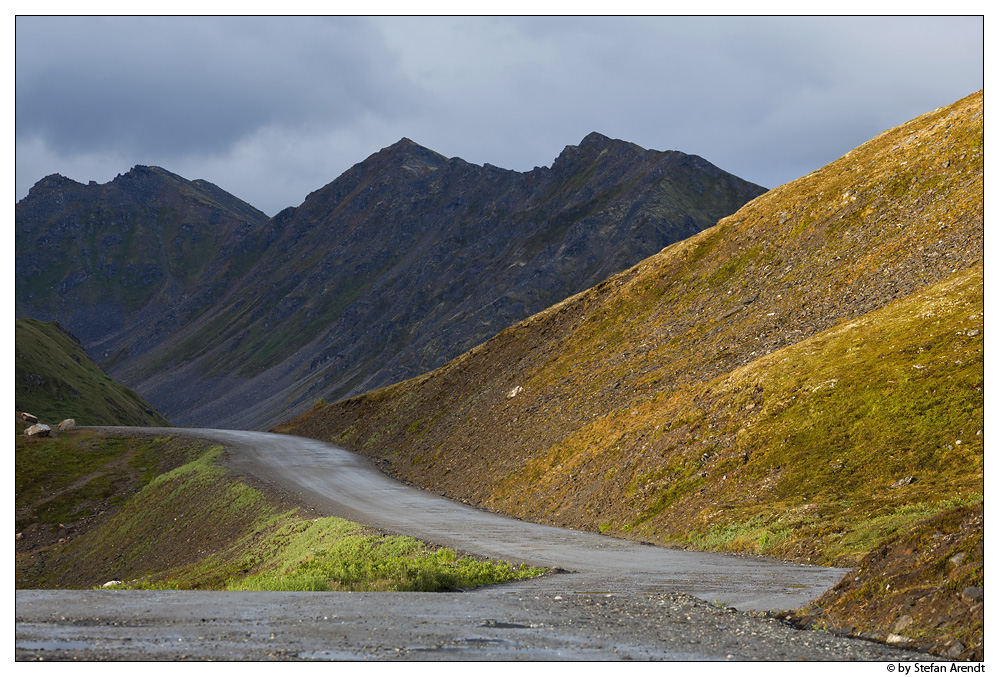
(612, 599)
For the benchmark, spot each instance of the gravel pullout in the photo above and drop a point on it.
(500, 623)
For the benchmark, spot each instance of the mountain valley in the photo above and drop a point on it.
(630, 342)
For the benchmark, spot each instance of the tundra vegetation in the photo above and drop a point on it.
(803, 380)
(55, 380)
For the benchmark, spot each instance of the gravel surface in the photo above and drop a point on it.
(500, 623)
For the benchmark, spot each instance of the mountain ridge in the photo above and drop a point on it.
(56, 380)
(395, 266)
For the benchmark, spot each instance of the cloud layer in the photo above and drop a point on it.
(271, 109)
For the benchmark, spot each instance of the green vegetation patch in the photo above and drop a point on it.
(74, 476)
(192, 526)
(816, 452)
(55, 379)
(861, 431)
(334, 554)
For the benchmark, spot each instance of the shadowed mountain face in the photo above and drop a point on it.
(123, 264)
(222, 318)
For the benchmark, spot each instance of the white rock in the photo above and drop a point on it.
(39, 430)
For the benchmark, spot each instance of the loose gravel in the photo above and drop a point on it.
(500, 623)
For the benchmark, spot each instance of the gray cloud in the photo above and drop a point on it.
(194, 84)
(273, 108)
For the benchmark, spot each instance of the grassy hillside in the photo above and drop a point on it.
(162, 513)
(802, 380)
(56, 380)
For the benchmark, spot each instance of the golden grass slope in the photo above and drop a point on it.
(804, 380)
(651, 404)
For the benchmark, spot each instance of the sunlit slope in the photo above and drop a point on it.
(759, 386)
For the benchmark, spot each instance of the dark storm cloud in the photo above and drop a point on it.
(274, 108)
(175, 85)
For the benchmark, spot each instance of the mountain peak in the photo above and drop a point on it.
(595, 139)
(591, 147)
(415, 158)
(51, 181)
(149, 171)
(598, 141)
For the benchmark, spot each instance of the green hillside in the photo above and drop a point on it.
(56, 380)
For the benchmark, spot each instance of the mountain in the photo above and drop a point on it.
(56, 380)
(400, 264)
(804, 379)
(121, 265)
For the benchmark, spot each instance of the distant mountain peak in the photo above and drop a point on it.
(149, 171)
(598, 141)
(401, 262)
(414, 157)
(595, 139)
(51, 181)
(590, 148)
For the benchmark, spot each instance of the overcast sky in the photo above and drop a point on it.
(271, 109)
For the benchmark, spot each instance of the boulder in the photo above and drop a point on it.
(973, 594)
(26, 417)
(38, 430)
(66, 424)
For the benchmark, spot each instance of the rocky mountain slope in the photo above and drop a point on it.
(123, 264)
(805, 379)
(403, 262)
(55, 380)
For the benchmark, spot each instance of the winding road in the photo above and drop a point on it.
(349, 485)
(646, 580)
